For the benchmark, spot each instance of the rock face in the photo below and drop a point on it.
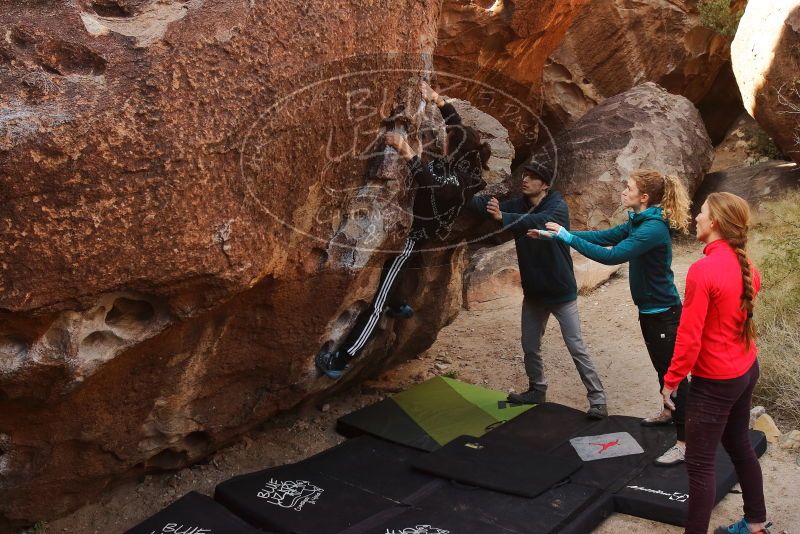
(502, 45)
(643, 128)
(189, 212)
(754, 183)
(766, 61)
(611, 47)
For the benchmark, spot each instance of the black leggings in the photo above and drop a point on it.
(719, 411)
(659, 331)
(369, 318)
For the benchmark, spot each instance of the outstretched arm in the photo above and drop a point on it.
(522, 222)
(627, 249)
(605, 238)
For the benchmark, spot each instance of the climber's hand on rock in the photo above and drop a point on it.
(399, 143)
(493, 209)
(429, 94)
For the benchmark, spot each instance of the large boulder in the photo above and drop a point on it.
(496, 51)
(766, 60)
(189, 212)
(754, 183)
(610, 48)
(643, 128)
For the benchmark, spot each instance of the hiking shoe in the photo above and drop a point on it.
(331, 364)
(404, 311)
(532, 396)
(740, 527)
(663, 418)
(597, 411)
(674, 455)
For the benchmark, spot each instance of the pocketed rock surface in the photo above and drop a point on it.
(480, 347)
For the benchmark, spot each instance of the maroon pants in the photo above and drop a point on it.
(719, 410)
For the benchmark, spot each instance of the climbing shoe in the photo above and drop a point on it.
(740, 527)
(664, 417)
(531, 396)
(597, 411)
(331, 363)
(403, 311)
(674, 455)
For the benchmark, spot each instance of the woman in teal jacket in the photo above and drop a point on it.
(658, 204)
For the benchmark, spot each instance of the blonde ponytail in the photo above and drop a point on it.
(669, 192)
(676, 204)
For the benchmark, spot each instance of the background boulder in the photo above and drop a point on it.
(766, 61)
(643, 128)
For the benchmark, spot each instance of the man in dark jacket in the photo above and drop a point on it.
(548, 282)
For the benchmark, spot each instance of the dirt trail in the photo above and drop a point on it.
(481, 347)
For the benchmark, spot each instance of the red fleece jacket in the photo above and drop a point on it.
(709, 343)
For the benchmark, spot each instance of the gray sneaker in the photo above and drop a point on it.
(531, 396)
(597, 411)
(674, 455)
(664, 417)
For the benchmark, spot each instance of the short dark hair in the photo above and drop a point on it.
(465, 141)
(541, 170)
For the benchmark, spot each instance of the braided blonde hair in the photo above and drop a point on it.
(732, 215)
(668, 191)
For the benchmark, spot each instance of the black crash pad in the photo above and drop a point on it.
(541, 429)
(662, 493)
(373, 465)
(612, 474)
(443, 506)
(498, 466)
(296, 498)
(565, 508)
(193, 513)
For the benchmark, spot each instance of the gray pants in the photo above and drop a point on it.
(534, 323)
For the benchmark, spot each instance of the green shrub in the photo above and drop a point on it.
(776, 251)
(763, 143)
(718, 16)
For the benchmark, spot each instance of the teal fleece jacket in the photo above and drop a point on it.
(646, 243)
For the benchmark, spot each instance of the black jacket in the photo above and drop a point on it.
(545, 265)
(444, 185)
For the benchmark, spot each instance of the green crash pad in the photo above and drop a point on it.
(431, 414)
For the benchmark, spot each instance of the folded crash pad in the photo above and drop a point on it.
(432, 413)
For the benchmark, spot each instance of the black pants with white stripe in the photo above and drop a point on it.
(368, 320)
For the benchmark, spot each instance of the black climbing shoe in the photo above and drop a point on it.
(531, 396)
(404, 311)
(331, 364)
(597, 411)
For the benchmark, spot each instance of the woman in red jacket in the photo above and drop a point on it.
(716, 344)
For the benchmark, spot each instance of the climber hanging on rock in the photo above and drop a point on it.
(443, 185)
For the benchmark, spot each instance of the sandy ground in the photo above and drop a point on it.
(481, 347)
